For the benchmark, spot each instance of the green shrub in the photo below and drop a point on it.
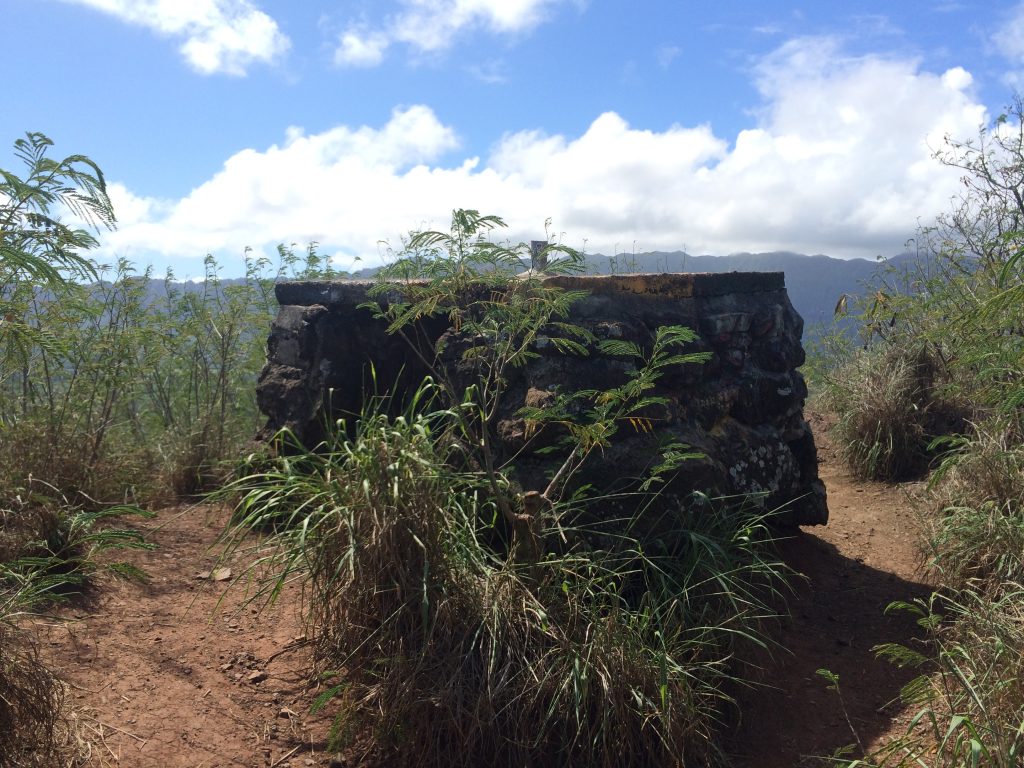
(444, 648)
(967, 699)
(976, 533)
(139, 389)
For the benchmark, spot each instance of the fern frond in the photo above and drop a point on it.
(619, 348)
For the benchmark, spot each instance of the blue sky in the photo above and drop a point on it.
(721, 127)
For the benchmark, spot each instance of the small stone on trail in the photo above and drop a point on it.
(257, 677)
(217, 574)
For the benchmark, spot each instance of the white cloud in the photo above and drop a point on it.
(839, 161)
(957, 79)
(360, 48)
(491, 72)
(131, 209)
(1009, 41)
(1010, 37)
(221, 36)
(433, 25)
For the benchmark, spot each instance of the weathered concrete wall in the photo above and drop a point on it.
(743, 408)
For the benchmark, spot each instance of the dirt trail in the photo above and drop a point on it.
(865, 558)
(167, 674)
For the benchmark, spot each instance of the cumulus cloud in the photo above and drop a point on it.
(359, 47)
(433, 25)
(1009, 41)
(220, 36)
(838, 160)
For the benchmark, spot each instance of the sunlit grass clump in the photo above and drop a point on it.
(444, 646)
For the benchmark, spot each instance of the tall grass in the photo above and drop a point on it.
(976, 536)
(960, 311)
(892, 403)
(445, 649)
(967, 698)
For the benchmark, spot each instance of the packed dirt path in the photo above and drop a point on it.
(177, 673)
(865, 558)
(174, 673)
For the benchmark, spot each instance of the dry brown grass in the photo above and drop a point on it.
(445, 651)
(891, 405)
(976, 531)
(70, 469)
(37, 729)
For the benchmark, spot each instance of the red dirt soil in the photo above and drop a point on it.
(865, 558)
(173, 673)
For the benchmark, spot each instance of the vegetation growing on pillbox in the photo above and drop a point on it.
(459, 620)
